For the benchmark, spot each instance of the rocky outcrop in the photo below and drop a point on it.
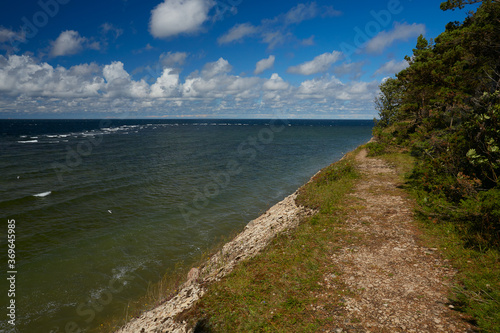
(283, 216)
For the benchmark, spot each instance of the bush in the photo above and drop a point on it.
(376, 148)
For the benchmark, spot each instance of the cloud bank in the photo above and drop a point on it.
(31, 87)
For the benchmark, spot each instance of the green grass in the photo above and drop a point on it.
(477, 290)
(280, 289)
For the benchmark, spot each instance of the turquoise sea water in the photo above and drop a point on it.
(104, 208)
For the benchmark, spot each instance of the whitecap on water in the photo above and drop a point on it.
(43, 194)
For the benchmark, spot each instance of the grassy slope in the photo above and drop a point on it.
(278, 290)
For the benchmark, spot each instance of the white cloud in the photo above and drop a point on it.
(401, 31)
(214, 82)
(167, 85)
(174, 17)
(237, 32)
(173, 59)
(218, 67)
(276, 83)
(319, 64)
(120, 84)
(224, 86)
(70, 42)
(318, 88)
(21, 75)
(332, 89)
(9, 39)
(353, 70)
(392, 67)
(275, 38)
(264, 64)
(7, 35)
(115, 73)
(300, 13)
(110, 28)
(303, 12)
(276, 31)
(243, 87)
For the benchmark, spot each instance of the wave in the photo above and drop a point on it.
(28, 141)
(43, 194)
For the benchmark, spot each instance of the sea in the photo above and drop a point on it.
(100, 210)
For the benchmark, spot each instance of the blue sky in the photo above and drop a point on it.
(205, 58)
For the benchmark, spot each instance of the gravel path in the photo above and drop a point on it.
(398, 285)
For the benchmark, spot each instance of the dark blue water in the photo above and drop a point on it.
(104, 208)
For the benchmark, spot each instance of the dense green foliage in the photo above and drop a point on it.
(452, 4)
(445, 109)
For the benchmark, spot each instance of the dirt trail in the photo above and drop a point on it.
(399, 285)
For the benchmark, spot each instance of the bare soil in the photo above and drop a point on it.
(397, 284)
